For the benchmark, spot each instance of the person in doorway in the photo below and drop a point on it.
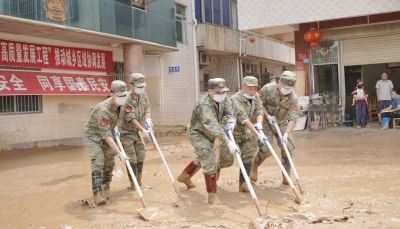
(392, 111)
(248, 108)
(99, 142)
(359, 93)
(383, 89)
(136, 110)
(360, 96)
(209, 112)
(280, 105)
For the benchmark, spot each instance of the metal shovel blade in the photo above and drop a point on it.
(150, 213)
(185, 201)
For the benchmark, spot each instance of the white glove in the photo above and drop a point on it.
(147, 134)
(115, 132)
(233, 148)
(263, 139)
(229, 127)
(123, 157)
(272, 119)
(258, 126)
(284, 138)
(148, 123)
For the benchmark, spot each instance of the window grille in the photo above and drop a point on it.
(118, 73)
(20, 104)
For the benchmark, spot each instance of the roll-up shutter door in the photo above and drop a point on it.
(371, 50)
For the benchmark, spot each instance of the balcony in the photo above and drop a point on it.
(220, 39)
(157, 25)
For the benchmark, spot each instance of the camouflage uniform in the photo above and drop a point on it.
(102, 120)
(284, 109)
(203, 129)
(135, 108)
(245, 110)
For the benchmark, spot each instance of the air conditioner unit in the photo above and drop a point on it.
(204, 58)
(256, 69)
(247, 68)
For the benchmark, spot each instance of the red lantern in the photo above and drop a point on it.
(252, 39)
(312, 36)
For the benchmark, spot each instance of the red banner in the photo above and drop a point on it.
(43, 83)
(47, 56)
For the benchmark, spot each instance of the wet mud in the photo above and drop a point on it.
(350, 179)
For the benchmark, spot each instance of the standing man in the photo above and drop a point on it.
(281, 106)
(383, 89)
(99, 143)
(213, 109)
(136, 110)
(248, 109)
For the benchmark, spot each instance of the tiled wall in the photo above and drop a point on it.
(179, 87)
(261, 13)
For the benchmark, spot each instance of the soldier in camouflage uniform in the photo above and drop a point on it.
(280, 105)
(213, 109)
(99, 143)
(135, 111)
(248, 109)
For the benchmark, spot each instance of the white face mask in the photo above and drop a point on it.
(219, 98)
(139, 91)
(249, 96)
(286, 91)
(273, 81)
(120, 100)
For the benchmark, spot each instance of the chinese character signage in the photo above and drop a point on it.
(47, 56)
(44, 83)
(174, 69)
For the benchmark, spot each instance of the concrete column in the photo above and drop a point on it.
(133, 56)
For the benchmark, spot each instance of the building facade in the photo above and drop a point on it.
(58, 59)
(360, 40)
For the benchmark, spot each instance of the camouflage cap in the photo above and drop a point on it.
(137, 79)
(217, 84)
(118, 87)
(288, 79)
(250, 81)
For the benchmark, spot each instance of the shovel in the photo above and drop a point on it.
(290, 158)
(246, 177)
(145, 213)
(181, 200)
(266, 143)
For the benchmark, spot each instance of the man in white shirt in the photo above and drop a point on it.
(383, 89)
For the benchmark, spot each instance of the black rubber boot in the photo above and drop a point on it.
(134, 168)
(242, 182)
(139, 170)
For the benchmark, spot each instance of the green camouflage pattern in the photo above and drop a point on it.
(134, 108)
(244, 110)
(102, 120)
(283, 109)
(205, 126)
(288, 79)
(102, 160)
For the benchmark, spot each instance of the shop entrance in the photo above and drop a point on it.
(369, 74)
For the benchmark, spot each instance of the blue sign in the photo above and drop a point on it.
(174, 69)
(306, 60)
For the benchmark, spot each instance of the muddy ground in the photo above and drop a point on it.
(350, 177)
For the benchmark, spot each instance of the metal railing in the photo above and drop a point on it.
(108, 16)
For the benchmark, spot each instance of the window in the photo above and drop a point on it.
(217, 12)
(20, 104)
(180, 24)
